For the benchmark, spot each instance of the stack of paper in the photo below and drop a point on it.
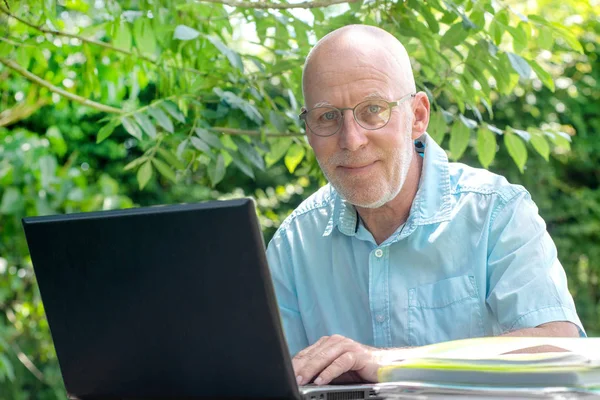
(571, 364)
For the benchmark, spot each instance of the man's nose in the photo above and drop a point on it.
(352, 135)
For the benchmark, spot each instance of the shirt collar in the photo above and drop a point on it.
(432, 203)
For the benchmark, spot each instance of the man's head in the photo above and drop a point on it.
(355, 63)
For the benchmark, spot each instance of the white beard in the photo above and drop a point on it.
(385, 189)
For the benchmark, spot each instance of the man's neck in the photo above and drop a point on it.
(384, 221)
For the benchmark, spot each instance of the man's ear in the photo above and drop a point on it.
(421, 115)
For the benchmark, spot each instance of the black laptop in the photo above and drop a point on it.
(165, 302)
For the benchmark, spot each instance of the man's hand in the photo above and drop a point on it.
(336, 358)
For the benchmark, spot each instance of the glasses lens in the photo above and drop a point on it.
(324, 121)
(372, 114)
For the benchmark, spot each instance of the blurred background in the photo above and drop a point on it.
(109, 104)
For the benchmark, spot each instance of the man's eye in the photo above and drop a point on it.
(374, 108)
(329, 116)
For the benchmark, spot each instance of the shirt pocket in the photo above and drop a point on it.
(445, 310)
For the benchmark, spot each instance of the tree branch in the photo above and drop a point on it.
(34, 78)
(96, 43)
(278, 6)
(231, 131)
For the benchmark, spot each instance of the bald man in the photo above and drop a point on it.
(401, 248)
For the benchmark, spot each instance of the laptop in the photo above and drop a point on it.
(166, 302)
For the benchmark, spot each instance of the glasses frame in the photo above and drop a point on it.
(391, 104)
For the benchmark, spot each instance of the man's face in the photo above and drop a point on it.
(367, 167)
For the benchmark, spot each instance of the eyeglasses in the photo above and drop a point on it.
(369, 114)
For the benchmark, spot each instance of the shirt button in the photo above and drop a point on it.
(380, 318)
(378, 253)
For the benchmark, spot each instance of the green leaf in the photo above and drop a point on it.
(520, 65)
(540, 144)
(516, 148)
(173, 110)
(6, 368)
(48, 167)
(122, 38)
(234, 58)
(216, 170)
(568, 37)
(544, 76)
(519, 38)
(161, 118)
(294, 156)
(240, 164)
(249, 152)
(425, 11)
(459, 140)
(209, 138)
(183, 32)
(107, 130)
(239, 103)
(135, 163)
(486, 146)
(278, 121)
(200, 144)
(279, 148)
(454, 36)
(24, 56)
(164, 169)
(170, 158)
(146, 124)
(144, 174)
(56, 141)
(144, 36)
(496, 31)
(132, 128)
(12, 201)
(437, 126)
(545, 39)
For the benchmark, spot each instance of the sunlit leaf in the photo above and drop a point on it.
(183, 32)
(486, 146)
(540, 144)
(131, 127)
(279, 148)
(144, 174)
(516, 148)
(146, 124)
(294, 156)
(459, 140)
(122, 37)
(543, 75)
(519, 65)
(161, 118)
(144, 36)
(437, 126)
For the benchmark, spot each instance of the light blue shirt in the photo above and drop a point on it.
(473, 259)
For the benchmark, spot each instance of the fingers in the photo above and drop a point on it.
(331, 357)
(344, 363)
(312, 360)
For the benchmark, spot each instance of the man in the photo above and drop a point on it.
(401, 248)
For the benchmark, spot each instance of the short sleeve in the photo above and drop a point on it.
(280, 265)
(527, 285)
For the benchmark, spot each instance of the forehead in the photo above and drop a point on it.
(350, 74)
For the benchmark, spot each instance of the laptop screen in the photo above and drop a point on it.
(168, 301)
